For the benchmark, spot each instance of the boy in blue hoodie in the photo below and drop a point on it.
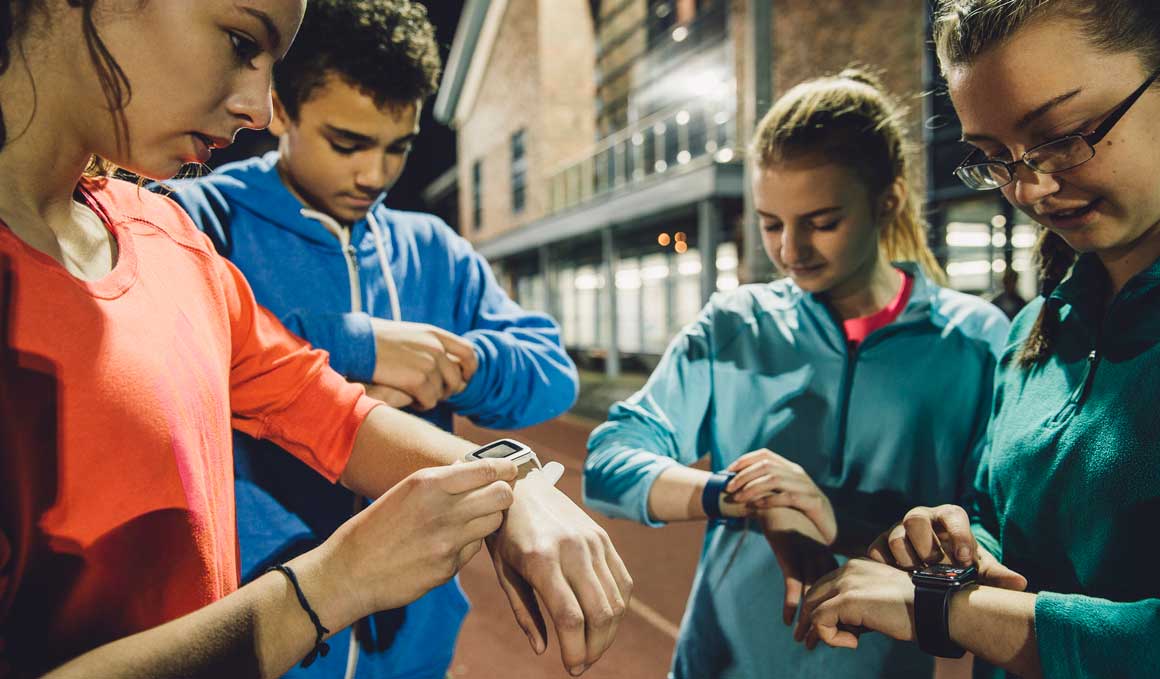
(403, 304)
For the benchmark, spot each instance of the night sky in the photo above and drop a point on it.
(434, 151)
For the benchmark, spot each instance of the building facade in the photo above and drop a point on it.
(601, 151)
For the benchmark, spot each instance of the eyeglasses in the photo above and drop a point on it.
(1049, 157)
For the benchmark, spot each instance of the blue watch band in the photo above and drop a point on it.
(711, 495)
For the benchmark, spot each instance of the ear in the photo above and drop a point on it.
(891, 201)
(280, 123)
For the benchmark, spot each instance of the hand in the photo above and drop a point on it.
(426, 363)
(549, 546)
(799, 550)
(929, 535)
(861, 595)
(420, 533)
(765, 479)
(393, 397)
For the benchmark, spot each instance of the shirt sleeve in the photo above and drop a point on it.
(664, 424)
(283, 390)
(524, 376)
(1088, 638)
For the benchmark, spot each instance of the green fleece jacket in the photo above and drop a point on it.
(1071, 480)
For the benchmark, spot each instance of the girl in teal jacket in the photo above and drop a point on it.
(1060, 101)
(850, 389)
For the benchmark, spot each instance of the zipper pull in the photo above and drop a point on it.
(352, 255)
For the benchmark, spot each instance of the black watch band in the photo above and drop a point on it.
(932, 621)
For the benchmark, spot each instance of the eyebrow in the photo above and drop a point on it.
(268, 23)
(1029, 118)
(349, 135)
(809, 215)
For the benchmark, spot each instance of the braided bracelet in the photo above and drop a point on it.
(321, 648)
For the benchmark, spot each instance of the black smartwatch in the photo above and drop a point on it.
(933, 587)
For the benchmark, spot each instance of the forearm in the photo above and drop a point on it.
(997, 625)
(676, 496)
(391, 444)
(258, 631)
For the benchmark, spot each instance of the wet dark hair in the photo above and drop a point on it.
(385, 48)
(965, 29)
(14, 18)
(852, 120)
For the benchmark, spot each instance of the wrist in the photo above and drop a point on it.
(335, 592)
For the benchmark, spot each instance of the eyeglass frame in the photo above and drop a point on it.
(1090, 138)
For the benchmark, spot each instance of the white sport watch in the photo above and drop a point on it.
(524, 457)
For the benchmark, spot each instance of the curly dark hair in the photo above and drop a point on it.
(385, 48)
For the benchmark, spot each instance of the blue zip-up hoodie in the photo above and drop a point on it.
(299, 265)
(898, 422)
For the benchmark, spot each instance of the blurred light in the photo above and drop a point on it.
(968, 239)
(684, 157)
(660, 166)
(727, 282)
(588, 281)
(680, 237)
(999, 240)
(659, 128)
(1021, 263)
(999, 266)
(711, 146)
(974, 267)
(680, 33)
(726, 263)
(637, 139)
(998, 221)
(682, 117)
(663, 240)
(628, 279)
(1023, 240)
(663, 10)
(721, 118)
(654, 272)
(680, 247)
(724, 155)
(689, 267)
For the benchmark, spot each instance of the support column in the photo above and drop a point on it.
(708, 236)
(612, 358)
(548, 278)
(755, 265)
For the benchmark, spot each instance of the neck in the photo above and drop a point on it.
(865, 294)
(43, 158)
(288, 182)
(1122, 264)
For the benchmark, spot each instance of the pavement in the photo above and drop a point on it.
(662, 562)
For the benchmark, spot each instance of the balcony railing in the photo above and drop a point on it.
(703, 130)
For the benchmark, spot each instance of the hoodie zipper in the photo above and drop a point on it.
(352, 269)
(837, 459)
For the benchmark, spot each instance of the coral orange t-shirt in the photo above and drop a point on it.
(858, 329)
(124, 519)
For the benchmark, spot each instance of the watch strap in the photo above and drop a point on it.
(711, 495)
(932, 621)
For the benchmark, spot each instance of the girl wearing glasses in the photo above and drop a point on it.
(846, 390)
(1069, 489)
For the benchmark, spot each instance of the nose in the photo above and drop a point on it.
(250, 103)
(794, 244)
(375, 174)
(1030, 187)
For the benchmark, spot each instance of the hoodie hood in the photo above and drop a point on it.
(255, 186)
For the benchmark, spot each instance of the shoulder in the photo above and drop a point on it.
(421, 226)
(971, 316)
(744, 309)
(149, 213)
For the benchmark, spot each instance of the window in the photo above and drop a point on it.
(477, 195)
(519, 172)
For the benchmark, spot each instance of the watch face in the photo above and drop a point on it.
(498, 449)
(945, 574)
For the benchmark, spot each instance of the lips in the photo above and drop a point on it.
(204, 145)
(1073, 217)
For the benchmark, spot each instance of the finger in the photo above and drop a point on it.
(460, 478)
(450, 376)
(749, 459)
(493, 498)
(612, 593)
(776, 491)
(746, 475)
(526, 609)
(879, 550)
(461, 348)
(827, 625)
(581, 573)
(920, 532)
(993, 573)
(821, 591)
(481, 527)
(793, 582)
(567, 614)
(429, 389)
(901, 549)
(618, 569)
(468, 552)
(954, 521)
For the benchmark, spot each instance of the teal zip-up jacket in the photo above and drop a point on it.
(1070, 485)
(899, 422)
